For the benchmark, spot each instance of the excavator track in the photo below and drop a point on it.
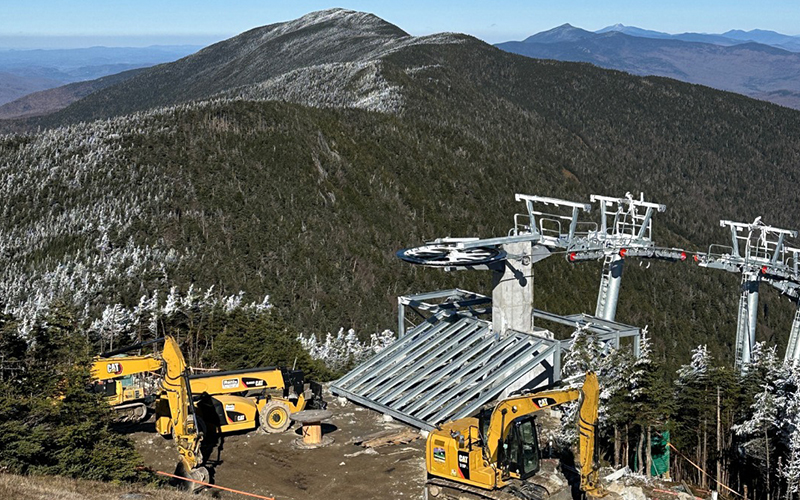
(442, 489)
(130, 413)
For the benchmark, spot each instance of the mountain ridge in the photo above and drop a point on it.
(749, 68)
(730, 37)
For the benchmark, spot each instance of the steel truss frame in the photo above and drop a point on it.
(451, 364)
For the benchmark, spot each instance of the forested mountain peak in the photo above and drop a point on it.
(564, 33)
(314, 55)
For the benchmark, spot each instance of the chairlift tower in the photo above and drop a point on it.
(626, 230)
(757, 252)
(555, 225)
(455, 360)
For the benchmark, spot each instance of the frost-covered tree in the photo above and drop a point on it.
(765, 431)
(583, 355)
(615, 399)
(112, 326)
(651, 400)
(344, 349)
(696, 406)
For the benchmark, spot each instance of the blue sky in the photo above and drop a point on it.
(40, 23)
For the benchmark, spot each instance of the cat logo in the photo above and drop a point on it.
(542, 403)
(114, 368)
(463, 464)
(230, 383)
(239, 418)
(253, 382)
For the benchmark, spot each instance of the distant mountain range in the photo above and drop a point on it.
(25, 71)
(732, 37)
(759, 64)
(296, 158)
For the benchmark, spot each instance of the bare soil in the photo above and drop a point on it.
(269, 464)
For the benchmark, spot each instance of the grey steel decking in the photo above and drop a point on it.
(446, 368)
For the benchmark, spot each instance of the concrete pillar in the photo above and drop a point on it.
(512, 291)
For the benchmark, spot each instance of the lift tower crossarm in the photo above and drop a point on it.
(767, 251)
(640, 224)
(563, 240)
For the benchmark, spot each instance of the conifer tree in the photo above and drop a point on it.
(695, 407)
(616, 407)
(583, 355)
(651, 401)
(49, 422)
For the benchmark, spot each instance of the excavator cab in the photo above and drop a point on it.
(520, 451)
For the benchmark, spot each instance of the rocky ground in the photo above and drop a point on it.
(269, 464)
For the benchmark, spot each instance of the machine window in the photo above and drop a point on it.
(530, 447)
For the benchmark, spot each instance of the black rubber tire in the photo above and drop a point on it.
(274, 417)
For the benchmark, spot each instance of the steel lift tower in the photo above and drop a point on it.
(626, 230)
(757, 252)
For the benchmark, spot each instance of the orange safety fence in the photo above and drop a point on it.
(209, 485)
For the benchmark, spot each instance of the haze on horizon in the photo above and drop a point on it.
(57, 24)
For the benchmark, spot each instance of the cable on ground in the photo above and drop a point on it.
(209, 485)
(703, 471)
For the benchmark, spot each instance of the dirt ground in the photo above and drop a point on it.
(269, 465)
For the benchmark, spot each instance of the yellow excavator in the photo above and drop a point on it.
(242, 399)
(496, 454)
(130, 383)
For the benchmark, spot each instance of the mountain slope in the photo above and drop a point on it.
(249, 58)
(13, 86)
(49, 101)
(751, 69)
(309, 204)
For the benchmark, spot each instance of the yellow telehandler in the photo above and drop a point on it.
(242, 399)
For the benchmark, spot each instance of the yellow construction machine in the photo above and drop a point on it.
(496, 454)
(186, 428)
(241, 399)
(130, 383)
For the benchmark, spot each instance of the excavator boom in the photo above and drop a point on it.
(587, 435)
(175, 385)
(111, 368)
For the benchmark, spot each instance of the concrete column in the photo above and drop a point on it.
(512, 291)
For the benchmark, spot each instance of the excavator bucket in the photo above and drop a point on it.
(192, 478)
